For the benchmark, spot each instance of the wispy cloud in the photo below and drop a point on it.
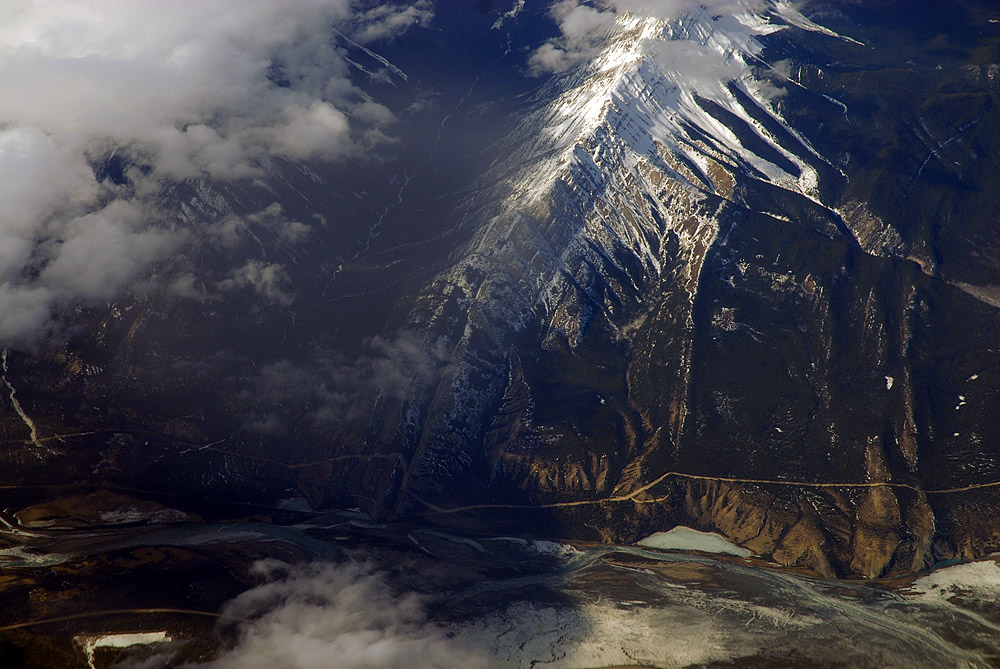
(332, 387)
(171, 91)
(584, 24)
(348, 616)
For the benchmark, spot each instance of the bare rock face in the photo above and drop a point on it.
(770, 330)
(101, 507)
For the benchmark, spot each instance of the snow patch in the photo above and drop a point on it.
(541, 547)
(686, 539)
(92, 643)
(553, 548)
(973, 580)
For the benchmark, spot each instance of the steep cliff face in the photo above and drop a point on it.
(675, 281)
(609, 194)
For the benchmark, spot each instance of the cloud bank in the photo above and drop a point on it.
(337, 615)
(171, 91)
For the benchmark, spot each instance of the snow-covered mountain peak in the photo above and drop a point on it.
(676, 92)
(610, 174)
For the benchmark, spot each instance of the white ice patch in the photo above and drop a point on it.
(888, 382)
(543, 547)
(553, 548)
(686, 539)
(19, 556)
(598, 636)
(92, 643)
(973, 580)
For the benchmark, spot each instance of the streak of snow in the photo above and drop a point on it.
(19, 410)
(788, 12)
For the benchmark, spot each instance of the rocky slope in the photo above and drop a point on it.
(679, 281)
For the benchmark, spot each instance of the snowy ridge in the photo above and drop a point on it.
(648, 83)
(613, 140)
(614, 180)
(786, 11)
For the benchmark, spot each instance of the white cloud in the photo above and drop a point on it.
(96, 254)
(63, 238)
(132, 70)
(187, 88)
(231, 231)
(272, 218)
(269, 280)
(347, 615)
(187, 286)
(782, 69)
(583, 25)
(768, 91)
(24, 309)
(333, 387)
(39, 176)
(385, 21)
(319, 131)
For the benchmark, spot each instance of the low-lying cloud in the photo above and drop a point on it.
(333, 387)
(355, 615)
(174, 91)
(268, 280)
(347, 616)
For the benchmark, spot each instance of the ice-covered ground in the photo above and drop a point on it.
(92, 643)
(618, 606)
(972, 580)
(430, 598)
(686, 539)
